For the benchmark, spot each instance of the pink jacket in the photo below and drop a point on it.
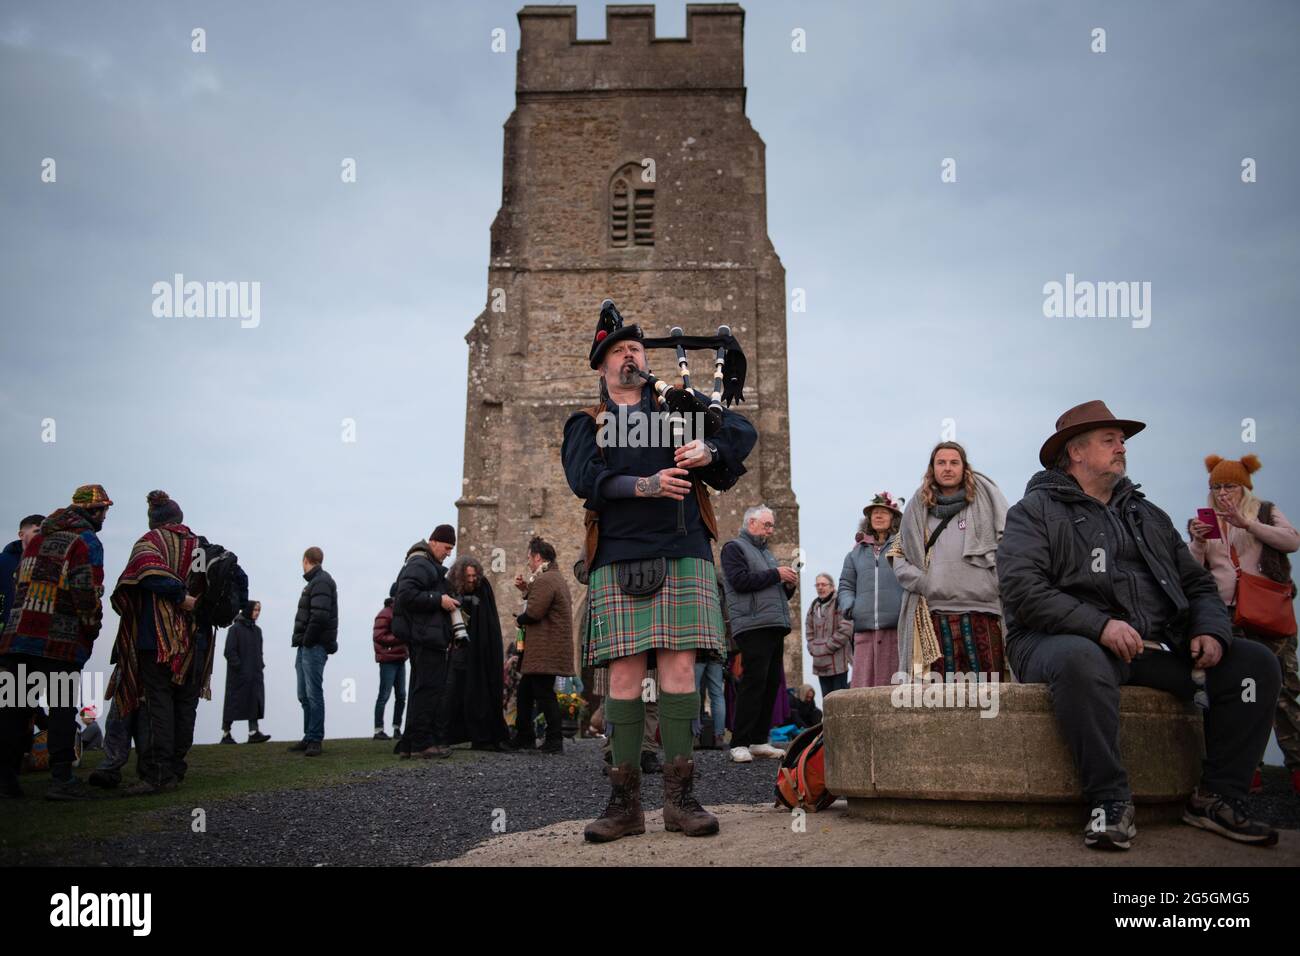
(1213, 553)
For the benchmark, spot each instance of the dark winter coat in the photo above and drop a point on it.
(388, 649)
(317, 621)
(1052, 581)
(418, 617)
(9, 559)
(245, 685)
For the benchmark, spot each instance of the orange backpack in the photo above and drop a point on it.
(801, 780)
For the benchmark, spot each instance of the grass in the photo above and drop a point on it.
(216, 772)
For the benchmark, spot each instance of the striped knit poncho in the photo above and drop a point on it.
(168, 551)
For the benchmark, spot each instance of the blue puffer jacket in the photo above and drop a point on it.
(869, 589)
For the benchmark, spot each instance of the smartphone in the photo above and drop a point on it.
(1207, 516)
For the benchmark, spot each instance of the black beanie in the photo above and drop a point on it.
(162, 510)
(444, 534)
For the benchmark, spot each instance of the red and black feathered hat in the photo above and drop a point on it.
(610, 328)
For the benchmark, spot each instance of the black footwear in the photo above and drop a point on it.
(258, 738)
(297, 748)
(496, 747)
(552, 747)
(380, 735)
(9, 786)
(104, 778)
(650, 763)
(520, 742)
(1110, 825)
(70, 789)
(312, 749)
(1226, 817)
(227, 739)
(144, 788)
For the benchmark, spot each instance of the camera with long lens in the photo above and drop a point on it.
(459, 632)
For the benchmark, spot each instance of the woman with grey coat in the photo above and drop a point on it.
(871, 595)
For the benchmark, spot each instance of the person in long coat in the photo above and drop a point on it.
(245, 686)
(477, 712)
(547, 620)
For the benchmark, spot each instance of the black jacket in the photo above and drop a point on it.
(1050, 547)
(317, 621)
(647, 527)
(245, 685)
(418, 617)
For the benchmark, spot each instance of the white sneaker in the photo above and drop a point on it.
(766, 750)
(741, 755)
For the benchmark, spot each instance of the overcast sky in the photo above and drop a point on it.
(924, 298)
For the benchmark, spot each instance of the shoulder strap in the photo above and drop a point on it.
(934, 535)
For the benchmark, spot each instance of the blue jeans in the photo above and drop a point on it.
(710, 672)
(392, 679)
(310, 665)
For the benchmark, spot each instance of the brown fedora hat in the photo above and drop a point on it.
(1084, 418)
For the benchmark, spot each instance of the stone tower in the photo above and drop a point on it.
(631, 172)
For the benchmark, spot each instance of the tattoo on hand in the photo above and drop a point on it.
(652, 485)
(643, 487)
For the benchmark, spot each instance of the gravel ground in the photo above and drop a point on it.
(438, 810)
(433, 810)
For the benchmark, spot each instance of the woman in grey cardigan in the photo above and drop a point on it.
(871, 595)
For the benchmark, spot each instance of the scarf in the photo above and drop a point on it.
(918, 646)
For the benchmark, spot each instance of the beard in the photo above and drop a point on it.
(627, 375)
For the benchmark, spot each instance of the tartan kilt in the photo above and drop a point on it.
(683, 615)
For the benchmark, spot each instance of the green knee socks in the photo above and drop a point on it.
(626, 721)
(676, 714)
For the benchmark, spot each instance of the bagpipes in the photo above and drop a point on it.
(729, 368)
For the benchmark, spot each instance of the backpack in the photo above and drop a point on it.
(227, 587)
(801, 779)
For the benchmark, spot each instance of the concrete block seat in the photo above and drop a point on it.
(950, 766)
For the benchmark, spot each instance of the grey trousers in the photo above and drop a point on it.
(1084, 679)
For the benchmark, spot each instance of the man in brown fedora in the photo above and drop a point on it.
(1099, 590)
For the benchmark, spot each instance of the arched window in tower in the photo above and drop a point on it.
(631, 209)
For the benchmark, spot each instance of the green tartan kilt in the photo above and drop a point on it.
(683, 615)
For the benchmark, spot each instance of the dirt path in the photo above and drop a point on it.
(762, 836)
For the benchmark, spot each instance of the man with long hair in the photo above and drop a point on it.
(945, 557)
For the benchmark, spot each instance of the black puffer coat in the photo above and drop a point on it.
(1048, 552)
(418, 617)
(317, 621)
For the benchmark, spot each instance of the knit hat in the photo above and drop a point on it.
(1225, 471)
(444, 533)
(884, 499)
(610, 329)
(91, 496)
(162, 510)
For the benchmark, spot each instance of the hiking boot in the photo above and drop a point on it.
(521, 742)
(1226, 817)
(682, 812)
(623, 815)
(552, 747)
(145, 788)
(227, 739)
(1110, 825)
(313, 749)
(107, 779)
(70, 789)
(258, 738)
(650, 763)
(297, 748)
(380, 735)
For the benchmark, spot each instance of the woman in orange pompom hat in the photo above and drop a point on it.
(1262, 538)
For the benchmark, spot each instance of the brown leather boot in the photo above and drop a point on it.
(623, 815)
(681, 810)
